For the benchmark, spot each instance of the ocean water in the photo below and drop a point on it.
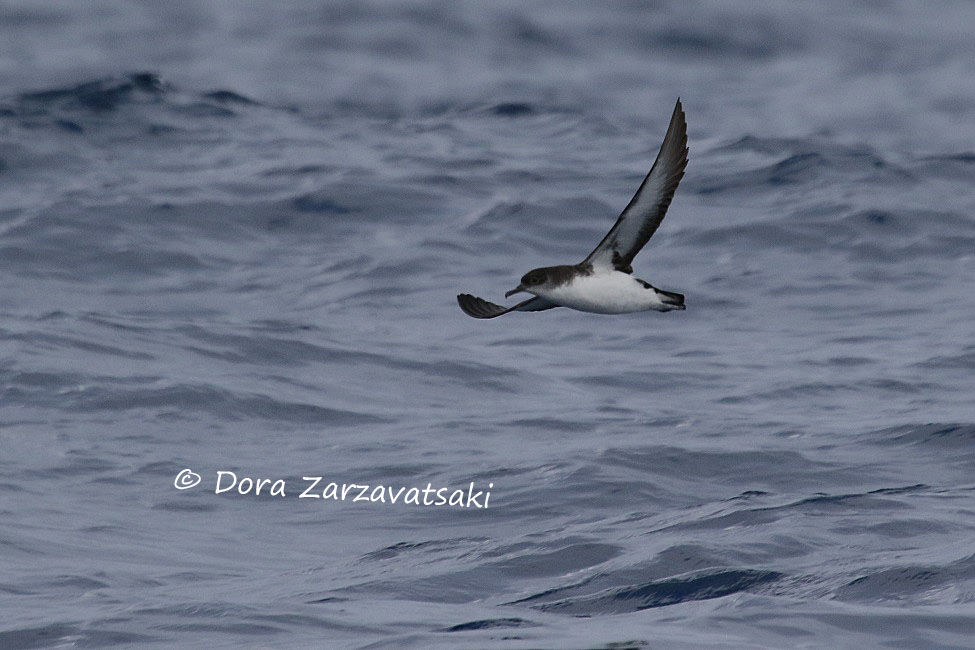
(231, 236)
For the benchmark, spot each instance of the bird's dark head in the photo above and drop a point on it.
(531, 282)
(534, 278)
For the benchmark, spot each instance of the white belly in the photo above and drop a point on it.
(612, 292)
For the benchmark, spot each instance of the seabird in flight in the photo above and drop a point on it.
(603, 282)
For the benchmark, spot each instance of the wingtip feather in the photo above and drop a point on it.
(478, 307)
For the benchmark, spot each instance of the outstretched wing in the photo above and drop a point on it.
(640, 219)
(480, 308)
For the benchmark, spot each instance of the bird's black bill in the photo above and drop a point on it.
(518, 289)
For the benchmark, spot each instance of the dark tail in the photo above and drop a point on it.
(675, 300)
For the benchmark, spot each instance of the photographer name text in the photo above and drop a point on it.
(315, 487)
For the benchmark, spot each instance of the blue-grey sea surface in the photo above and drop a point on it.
(231, 236)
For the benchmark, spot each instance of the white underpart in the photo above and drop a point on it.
(605, 292)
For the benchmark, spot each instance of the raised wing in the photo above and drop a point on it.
(480, 308)
(640, 219)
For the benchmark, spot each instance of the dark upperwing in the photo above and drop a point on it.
(640, 219)
(480, 308)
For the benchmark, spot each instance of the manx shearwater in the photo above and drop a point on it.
(603, 282)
